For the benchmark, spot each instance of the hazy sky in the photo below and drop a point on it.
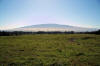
(18, 13)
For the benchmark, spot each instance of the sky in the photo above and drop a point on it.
(19, 13)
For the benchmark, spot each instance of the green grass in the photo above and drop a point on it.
(50, 50)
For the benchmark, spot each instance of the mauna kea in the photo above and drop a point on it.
(53, 27)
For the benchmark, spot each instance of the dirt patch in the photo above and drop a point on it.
(21, 50)
(72, 39)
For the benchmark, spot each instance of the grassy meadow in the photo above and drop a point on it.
(50, 50)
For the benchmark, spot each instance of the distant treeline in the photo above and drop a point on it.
(15, 33)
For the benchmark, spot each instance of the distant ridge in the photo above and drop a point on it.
(48, 26)
(53, 27)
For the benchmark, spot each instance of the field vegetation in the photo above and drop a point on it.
(50, 50)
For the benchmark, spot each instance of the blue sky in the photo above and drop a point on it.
(19, 13)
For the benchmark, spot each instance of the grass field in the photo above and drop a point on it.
(50, 50)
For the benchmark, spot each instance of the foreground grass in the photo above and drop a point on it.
(50, 50)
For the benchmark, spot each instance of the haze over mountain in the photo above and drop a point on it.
(53, 27)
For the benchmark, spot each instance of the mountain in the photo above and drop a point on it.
(48, 26)
(53, 27)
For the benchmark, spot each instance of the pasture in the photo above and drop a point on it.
(50, 50)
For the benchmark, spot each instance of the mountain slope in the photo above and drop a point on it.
(53, 27)
(48, 26)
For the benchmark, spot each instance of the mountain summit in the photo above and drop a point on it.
(48, 26)
(53, 27)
